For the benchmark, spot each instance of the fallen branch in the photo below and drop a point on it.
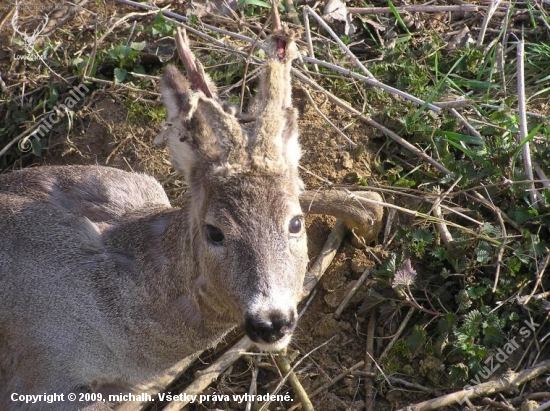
(362, 217)
(414, 9)
(533, 194)
(284, 366)
(290, 372)
(342, 104)
(369, 354)
(491, 10)
(397, 335)
(209, 375)
(351, 293)
(511, 382)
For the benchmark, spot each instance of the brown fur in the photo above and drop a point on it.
(104, 286)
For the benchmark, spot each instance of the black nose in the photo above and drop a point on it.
(270, 327)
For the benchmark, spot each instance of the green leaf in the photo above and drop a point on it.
(36, 147)
(483, 252)
(417, 338)
(259, 3)
(398, 17)
(422, 235)
(457, 137)
(458, 372)
(527, 138)
(54, 96)
(513, 317)
(120, 75)
(490, 229)
(513, 264)
(472, 324)
(476, 292)
(472, 155)
(446, 323)
(440, 253)
(138, 45)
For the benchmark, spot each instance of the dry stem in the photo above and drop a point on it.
(284, 366)
(415, 9)
(510, 382)
(369, 354)
(523, 125)
(351, 293)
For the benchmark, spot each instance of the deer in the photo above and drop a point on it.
(104, 285)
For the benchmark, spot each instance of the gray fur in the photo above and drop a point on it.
(104, 286)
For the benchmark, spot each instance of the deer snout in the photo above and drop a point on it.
(271, 331)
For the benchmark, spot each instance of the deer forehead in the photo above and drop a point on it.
(252, 189)
(242, 200)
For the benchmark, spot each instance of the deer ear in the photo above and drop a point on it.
(175, 91)
(181, 103)
(199, 133)
(291, 150)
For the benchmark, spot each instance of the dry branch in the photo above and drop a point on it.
(510, 382)
(369, 355)
(336, 38)
(363, 218)
(328, 121)
(523, 125)
(265, 406)
(367, 79)
(492, 8)
(284, 366)
(209, 375)
(371, 81)
(397, 334)
(415, 9)
(342, 104)
(351, 293)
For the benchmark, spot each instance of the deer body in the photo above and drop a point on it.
(103, 285)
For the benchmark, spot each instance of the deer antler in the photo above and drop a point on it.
(195, 71)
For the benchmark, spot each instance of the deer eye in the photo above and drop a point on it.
(295, 225)
(214, 235)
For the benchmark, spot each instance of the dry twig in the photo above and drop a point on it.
(533, 194)
(509, 382)
(492, 8)
(291, 372)
(398, 333)
(417, 8)
(342, 104)
(351, 293)
(284, 366)
(371, 328)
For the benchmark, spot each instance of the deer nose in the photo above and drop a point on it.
(270, 328)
